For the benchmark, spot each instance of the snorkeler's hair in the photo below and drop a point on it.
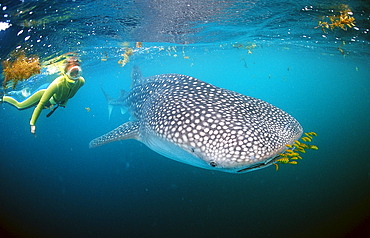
(70, 62)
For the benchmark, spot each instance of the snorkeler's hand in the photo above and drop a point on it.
(33, 129)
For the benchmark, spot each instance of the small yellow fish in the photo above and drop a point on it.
(308, 135)
(292, 153)
(312, 133)
(304, 145)
(313, 147)
(283, 160)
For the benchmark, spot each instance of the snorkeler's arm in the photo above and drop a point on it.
(44, 99)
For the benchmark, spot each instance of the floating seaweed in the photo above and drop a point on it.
(105, 57)
(139, 44)
(248, 46)
(19, 67)
(294, 151)
(126, 56)
(343, 20)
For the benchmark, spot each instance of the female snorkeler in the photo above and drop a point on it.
(57, 93)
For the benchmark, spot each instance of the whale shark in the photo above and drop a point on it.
(197, 123)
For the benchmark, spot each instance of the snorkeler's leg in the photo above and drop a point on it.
(29, 102)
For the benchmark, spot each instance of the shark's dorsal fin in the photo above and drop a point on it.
(128, 130)
(136, 76)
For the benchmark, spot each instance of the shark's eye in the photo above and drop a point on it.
(213, 164)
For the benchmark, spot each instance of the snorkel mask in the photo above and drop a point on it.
(74, 72)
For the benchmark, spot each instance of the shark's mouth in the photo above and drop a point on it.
(261, 165)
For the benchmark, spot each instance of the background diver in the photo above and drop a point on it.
(57, 93)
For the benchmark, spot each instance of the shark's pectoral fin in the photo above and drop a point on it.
(129, 130)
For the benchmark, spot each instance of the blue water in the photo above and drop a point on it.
(55, 186)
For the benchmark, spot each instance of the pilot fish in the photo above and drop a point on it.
(196, 123)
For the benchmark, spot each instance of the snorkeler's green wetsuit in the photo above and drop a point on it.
(58, 92)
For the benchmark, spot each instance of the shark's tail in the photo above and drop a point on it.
(106, 95)
(114, 102)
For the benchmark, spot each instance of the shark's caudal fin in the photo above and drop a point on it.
(136, 79)
(119, 101)
(115, 102)
(108, 98)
